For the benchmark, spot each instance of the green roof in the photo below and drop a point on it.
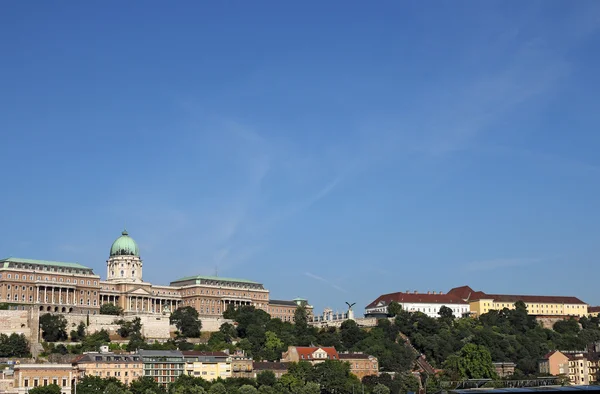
(199, 277)
(44, 262)
(124, 246)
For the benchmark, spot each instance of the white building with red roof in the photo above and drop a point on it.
(428, 303)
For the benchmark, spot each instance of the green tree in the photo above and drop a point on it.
(129, 327)
(217, 388)
(15, 345)
(114, 388)
(350, 334)
(305, 335)
(570, 326)
(471, 362)
(380, 389)
(49, 389)
(187, 322)
(308, 388)
(94, 384)
(144, 385)
(268, 390)
(111, 309)
(266, 378)
(446, 313)
(92, 342)
(394, 309)
(247, 389)
(79, 334)
(334, 376)
(53, 327)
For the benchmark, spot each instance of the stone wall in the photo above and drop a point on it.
(153, 326)
(15, 321)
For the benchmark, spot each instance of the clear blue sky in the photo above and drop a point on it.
(332, 150)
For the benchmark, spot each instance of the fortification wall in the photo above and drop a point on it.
(15, 321)
(153, 326)
(360, 321)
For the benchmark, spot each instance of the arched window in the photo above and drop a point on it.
(122, 273)
(132, 273)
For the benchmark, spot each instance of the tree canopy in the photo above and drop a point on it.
(187, 322)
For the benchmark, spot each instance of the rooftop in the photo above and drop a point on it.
(43, 262)
(215, 278)
(468, 294)
(282, 302)
(425, 298)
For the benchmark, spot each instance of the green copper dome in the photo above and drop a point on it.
(124, 246)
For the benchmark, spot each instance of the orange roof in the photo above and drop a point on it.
(307, 352)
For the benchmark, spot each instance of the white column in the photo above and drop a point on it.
(38, 294)
(60, 295)
(52, 291)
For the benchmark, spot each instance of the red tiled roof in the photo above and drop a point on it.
(418, 298)
(308, 351)
(593, 309)
(466, 293)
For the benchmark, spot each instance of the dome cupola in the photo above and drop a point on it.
(124, 246)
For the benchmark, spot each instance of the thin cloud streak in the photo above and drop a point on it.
(328, 282)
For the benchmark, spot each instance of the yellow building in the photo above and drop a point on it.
(480, 303)
(207, 365)
(593, 311)
(124, 367)
(28, 376)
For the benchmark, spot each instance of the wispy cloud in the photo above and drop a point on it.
(328, 282)
(494, 264)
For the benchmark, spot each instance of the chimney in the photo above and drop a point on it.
(429, 292)
(441, 292)
(407, 291)
(416, 292)
(434, 293)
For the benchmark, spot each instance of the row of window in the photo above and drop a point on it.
(47, 279)
(116, 373)
(51, 269)
(36, 382)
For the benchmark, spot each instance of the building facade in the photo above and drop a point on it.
(285, 310)
(123, 367)
(51, 286)
(428, 303)
(61, 287)
(361, 364)
(480, 303)
(207, 365)
(28, 376)
(165, 366)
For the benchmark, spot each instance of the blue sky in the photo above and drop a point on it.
(331, 150)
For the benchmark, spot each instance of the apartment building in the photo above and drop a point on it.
(480, 303)
(123, 367)
(28, 376)
(163, 365)
(360, 364)
(207, 365)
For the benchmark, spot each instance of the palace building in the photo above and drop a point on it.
(61, 287)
